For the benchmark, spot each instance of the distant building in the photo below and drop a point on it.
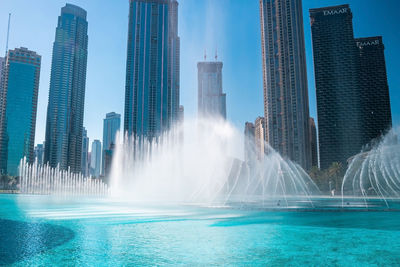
(39, 153)
(108, 158)
(18, 108)
(95, 159)
(85, 153)
(286, 104)
(353, 102)
(249, 142)
(259, 133)
(374, 86)
(211, 99)
(65, 110)
(153, 68)
(314, 143)
(181, 114)
(111, 127)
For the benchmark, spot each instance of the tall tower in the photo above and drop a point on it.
(377, 115)
(111, 126)
(67, 90)
(18, 109)
(85, 154)
(285, 79)
(95, 158)
(249, 142)
(336, 65)
(260, 137)
(152, 71)
(211, 99)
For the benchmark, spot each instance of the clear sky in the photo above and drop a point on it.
(230, 26)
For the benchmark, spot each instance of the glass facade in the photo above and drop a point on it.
(95, 159)
(286, 106)
(211, 99)
(112, 125)
(353, 102)
(39, 152)
(65, 111)
(152, 74)
(19, 107)
(85, 154)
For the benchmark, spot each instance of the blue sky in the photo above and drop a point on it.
(229, 26)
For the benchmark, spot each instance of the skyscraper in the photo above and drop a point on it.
(112, 125)
(285, 79)
(314, 143)
(377, 116)
(211, 99)
(18, 108)
(39, 152)
(249, 139)
(259, 134)
(352, 91)
(85, 154)
(152, 72)
(95, 158)
(65, 110)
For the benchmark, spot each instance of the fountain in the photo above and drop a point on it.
(44, 180)
(200, 162)
(375, 173)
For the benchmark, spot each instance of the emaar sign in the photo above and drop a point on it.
(335, 11)
(368, 43)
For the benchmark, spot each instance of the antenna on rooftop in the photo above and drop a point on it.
(216, 54)
(8, 32)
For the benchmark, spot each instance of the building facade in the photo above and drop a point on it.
(2, 65)
(95, 159)
(39, 153)
(286, 104)
(314, 143)
(259, 134)
(111, 127)
(377, 116)
(85, 153)
(18, 109)
(249, 142)
(211, 99)
(153, 68)
(353, 102)
(64, 126)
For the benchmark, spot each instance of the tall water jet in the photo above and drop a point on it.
(201, 162)
(44, 180)
(375, 173)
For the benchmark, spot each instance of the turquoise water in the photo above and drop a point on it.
(43, 231)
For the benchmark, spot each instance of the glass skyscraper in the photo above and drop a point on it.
(377, 115)
(152, 72)
(353, 102)
(112, 125)
(95, 158)
(211, 99)
(286, 105)
(67, 90)
(18, 109)
(39, 152)
(85, 153)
